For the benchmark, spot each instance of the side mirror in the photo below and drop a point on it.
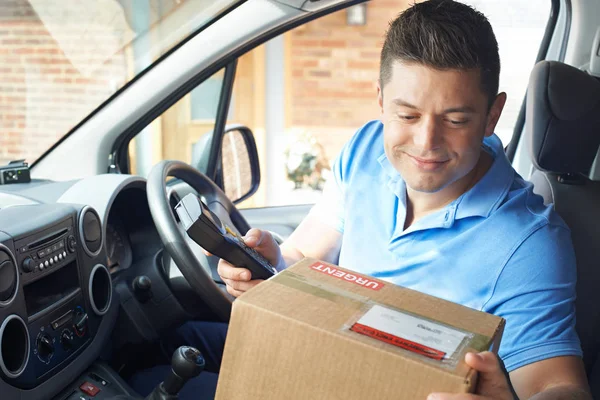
(240, 171)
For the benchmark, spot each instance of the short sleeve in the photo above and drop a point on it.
(330, 207)
(535, 293)
(355, 156)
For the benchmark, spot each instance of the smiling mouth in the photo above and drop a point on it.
(428, 164)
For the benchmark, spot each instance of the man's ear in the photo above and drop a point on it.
(380, 97)
(494, 114)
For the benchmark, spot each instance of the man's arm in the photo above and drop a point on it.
(318, 236)
(560, 378)
(553, 378)
(314, 239)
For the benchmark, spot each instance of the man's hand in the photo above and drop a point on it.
(239, 280)
(491, 384)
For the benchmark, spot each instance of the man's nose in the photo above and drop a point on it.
(427, 134)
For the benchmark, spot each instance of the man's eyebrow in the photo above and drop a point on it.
(463, 109)
(402, 103)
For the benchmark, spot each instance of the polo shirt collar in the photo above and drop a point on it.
(395, 182)
(481, 200)
(488, 194)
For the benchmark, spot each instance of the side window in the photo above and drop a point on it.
(519, 27)
(180, 133)
(305, 93)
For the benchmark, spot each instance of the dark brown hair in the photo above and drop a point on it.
(443, 34)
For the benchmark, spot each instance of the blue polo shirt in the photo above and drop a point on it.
(497, 248)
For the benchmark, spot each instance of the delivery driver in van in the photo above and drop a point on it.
(425, 198)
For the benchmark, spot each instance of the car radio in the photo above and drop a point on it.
(49, 252)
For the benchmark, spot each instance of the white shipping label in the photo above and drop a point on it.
(414, 329)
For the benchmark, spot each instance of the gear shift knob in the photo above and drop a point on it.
(187, 363)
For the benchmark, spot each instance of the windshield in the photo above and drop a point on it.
(61, 59)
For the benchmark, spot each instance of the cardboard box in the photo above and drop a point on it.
(318, 331)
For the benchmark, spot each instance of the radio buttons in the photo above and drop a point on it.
(51, 261)
(55, 258)
(60, 256)
(47, 264)
(64, 254)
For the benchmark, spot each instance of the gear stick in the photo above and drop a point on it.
(187, 363)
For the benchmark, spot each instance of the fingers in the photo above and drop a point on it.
(486, 362)
(238, 280)
(236, 288)
(263, 242)
(233, 292)
(492, 382)
(228, 271)
(255, 237)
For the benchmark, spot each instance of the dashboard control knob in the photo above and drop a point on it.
(51, 260)
(45, 346)
(55, 258)
(80, 322)
(66, 339)
(71, 244)
(28, 264)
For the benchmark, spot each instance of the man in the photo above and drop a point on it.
(425, 198)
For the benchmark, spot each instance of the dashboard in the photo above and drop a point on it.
(68, 254)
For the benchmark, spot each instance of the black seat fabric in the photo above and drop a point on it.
(563, 128)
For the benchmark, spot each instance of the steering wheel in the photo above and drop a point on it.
(175, 238)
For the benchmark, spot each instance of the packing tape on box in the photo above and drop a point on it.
(409, 334)
(320, 289)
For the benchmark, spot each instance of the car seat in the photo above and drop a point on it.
(563, 133)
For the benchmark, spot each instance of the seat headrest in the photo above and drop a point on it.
(563, 118)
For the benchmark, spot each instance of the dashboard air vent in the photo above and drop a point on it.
(91, 231)
(9, 276)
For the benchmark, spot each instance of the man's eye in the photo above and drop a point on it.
(458, 122)
(408, 117)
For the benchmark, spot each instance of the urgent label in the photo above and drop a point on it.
(357, 279)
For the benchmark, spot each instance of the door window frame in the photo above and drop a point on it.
(555, 10)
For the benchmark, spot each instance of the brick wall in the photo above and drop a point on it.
(43, 91)
(334, 70)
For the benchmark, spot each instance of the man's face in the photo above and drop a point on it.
(434, 123)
